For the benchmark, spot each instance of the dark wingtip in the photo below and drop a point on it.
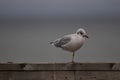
(50, 42)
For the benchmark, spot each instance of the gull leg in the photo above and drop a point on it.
(73, 57)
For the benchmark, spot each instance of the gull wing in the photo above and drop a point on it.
(62, 41)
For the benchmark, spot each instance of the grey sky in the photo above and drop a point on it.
(27, 26)
(59, 8)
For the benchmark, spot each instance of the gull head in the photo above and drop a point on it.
(82, 32)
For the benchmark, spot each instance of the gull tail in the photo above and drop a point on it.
(52, 43)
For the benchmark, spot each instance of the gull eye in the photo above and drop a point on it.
(81, 33)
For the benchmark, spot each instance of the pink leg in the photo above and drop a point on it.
(73, 57)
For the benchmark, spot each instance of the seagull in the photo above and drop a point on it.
(71, 42)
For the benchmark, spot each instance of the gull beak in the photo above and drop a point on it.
(85, 36)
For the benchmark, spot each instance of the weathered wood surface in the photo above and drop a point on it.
(60, 71)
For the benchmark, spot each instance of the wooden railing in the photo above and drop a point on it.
(60, 71)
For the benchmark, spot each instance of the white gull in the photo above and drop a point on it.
(71, 42)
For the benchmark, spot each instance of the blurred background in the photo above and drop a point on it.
(27, 27)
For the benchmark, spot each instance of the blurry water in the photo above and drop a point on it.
(27, 41)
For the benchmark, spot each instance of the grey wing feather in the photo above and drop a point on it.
(62, 41)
